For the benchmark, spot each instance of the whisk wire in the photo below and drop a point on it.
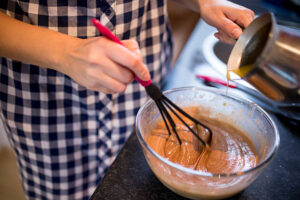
(188, 116)
(163, 103)
(190, 129)
(169, 118)
(163, 116)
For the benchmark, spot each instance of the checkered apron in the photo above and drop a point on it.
(65, 136)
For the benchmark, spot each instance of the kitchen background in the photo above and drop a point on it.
(286, 11)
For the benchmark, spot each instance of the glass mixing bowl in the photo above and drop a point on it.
(248, 117)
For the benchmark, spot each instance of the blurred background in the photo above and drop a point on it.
(183, 23)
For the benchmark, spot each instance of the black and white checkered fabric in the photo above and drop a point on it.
(65, 136)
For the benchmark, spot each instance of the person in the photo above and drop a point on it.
(68, 98)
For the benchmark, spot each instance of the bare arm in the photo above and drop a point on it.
(33, 44)
(95, 63)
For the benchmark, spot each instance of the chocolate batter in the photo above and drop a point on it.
(230, 150)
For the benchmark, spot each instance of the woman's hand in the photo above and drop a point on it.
(105, 66)
(227, 17)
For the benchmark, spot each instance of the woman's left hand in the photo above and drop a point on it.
(227, 17)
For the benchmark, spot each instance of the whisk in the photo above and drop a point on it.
(162, 102)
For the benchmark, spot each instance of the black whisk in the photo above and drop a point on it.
(163, 103)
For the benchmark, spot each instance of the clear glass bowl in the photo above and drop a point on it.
(243, 114)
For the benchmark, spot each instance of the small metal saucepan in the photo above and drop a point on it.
(274, 52)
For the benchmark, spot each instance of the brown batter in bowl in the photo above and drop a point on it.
(230, 150)
(244, 141)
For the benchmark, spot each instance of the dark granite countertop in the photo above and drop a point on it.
(130, 177)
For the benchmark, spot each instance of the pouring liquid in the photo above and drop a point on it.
(241, 72)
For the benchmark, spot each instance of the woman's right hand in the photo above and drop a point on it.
(102, 65)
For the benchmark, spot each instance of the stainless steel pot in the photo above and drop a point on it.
(274, 52)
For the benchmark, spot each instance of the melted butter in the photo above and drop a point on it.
(241, 71)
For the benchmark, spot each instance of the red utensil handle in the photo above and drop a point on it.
(109, 35)
(216, 80)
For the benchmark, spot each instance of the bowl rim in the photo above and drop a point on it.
(217, 91)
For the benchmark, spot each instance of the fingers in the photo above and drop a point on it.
(235, 19)
(116, 71)
(99, 81)
(242, 17)
(105, 90)
(110, 76)
(102, 65)
(228, 17)
(230, 28)
(224, 37)
(123, 56)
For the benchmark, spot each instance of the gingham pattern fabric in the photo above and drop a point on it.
(65, 136)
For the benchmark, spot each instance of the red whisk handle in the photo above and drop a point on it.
(106, 32)
(109, 35)
(143, 83)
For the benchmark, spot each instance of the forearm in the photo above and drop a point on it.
(32, 44)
